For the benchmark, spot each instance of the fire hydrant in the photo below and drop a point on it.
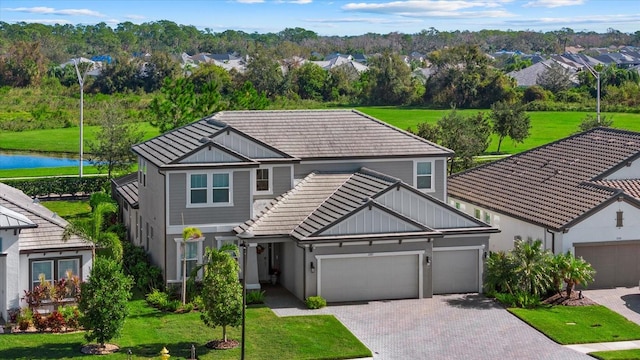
(164, 354)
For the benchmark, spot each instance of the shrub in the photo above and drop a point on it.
(157, 298)
(188, 307)
(136, 263)
(519, 299)
(172, 305)
(71, 316)
(255, 297)
(24, 318)
(316, 302)
(197, 302)
(40, 322)
(55, 321)
(13, 315)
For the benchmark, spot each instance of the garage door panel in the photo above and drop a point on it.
(370, 278)
(455, 271)
(615, 264)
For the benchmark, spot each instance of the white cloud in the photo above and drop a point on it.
(301, 2)
(135, 17)
(46, 21)
(573, 21)
(52, 11)
(431, 8)
(553, 3)
(363, 20)
(249, 1)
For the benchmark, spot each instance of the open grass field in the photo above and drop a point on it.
(148, 330)
(546, 126)
(579, 324)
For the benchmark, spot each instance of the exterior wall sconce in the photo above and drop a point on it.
(427, 259)
(312, 267)
(485, 255)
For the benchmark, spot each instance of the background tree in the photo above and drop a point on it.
(248, 98)
(264, 72)
(309, 81)
(221, 290)
(111, 149)
(122, 75)
(510, 119)
(390, 81)
(23, 65)
(467, 136)
(104, 300)
(175, 107)
(555, 78)
(590, 121)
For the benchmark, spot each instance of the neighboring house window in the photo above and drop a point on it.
(424, 175)
(262, 180)
(54, 269)
(487, 218)
(209, 189)
(457, 205)
(142, 168)
(477, 213)
(193, 254)
(619, 219)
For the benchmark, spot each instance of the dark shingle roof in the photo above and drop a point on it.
(303, 134)
(50, 226)
(549, 185)
(127, 187)
(322, 200)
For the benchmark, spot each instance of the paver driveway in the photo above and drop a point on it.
(443, 327)
(624, 301)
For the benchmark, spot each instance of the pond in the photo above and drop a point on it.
(24, 160)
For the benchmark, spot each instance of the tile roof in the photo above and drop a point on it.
(127, 187)
(303, 134)
(322, 199)
(50, 227)
(550, 185)
(629, 186)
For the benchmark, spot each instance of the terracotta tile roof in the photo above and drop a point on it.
(629, 186)
(301, 134)
(48, 234)
(550, 185)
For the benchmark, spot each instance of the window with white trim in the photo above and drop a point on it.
(487, 217)
(263, 180)
(54, 269)
(209, 189)
(424, 175)
(192, 255)
(477, 213)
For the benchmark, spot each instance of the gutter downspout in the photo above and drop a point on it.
(304, 270)
(553, 240)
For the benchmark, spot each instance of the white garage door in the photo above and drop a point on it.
(375, 276)
(456, 270)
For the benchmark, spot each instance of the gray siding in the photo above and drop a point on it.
(439, 179)
(402, 169)
(291, 263)
(281, 182)
(152, 206)
(370, 221)
(238, 213)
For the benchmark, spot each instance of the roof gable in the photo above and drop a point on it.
(242, 144)
(10, 219)
(211, 152)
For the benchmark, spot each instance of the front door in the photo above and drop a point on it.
(263, 252)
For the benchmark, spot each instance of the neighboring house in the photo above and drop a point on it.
(578, 194)
(342, 61)
(529, 76)
(31, 244)
(335, 202)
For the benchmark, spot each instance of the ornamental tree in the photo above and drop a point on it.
(104, 300)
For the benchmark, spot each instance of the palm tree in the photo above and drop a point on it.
(574, 271)
(531, 267)
(188, 233)
(94, 231)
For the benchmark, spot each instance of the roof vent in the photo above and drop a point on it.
(205, 140)
(366, 200)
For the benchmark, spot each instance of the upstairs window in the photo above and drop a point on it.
(262, 180)
(424, 175)
(198, 188)
(221, 188)
(619, 219)
(209, 189)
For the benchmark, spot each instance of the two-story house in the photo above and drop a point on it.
(335, 202)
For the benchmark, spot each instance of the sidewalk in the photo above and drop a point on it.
(606, 346)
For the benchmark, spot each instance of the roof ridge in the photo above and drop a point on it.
(379, 175)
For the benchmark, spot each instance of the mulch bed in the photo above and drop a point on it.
(96, 349)
(222, 345)
(574, 300)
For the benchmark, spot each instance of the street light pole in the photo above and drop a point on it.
(81, 83)
(244, 294)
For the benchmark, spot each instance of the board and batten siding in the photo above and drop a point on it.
(281, 182)
(238, 213)
(152, 211)
(399, 168)
(245, 146)
(210, 155)
(431, 213)
(370, 221)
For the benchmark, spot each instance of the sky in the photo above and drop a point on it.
(342, 18)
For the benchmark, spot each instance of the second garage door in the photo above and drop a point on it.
(615, 264)
(456, 270)
(375, 276)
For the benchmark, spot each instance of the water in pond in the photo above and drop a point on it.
(32, 160)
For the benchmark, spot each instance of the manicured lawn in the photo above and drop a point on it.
(69, 209)
(617, 355)
(546, 126)
(579, 324)
(147, 331)
(59, 140)
(39, 172)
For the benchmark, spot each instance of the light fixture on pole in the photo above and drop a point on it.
(81, 83)
(596, 74)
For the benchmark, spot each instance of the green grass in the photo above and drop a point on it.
(58, 140)
(579, 324)
(633, 354)
(546, 126)
(147, 331)
(45, 172)
(73, 209)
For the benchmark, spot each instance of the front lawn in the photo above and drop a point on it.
(617, 355)
(148, 330)
(579, 324)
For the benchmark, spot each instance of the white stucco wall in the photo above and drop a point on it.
(601, 226)
(632, 171)
(509, 227)
(11, 296)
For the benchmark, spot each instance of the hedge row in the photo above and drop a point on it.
(60, 186)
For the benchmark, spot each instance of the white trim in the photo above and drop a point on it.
(254, 180)
(375, 242)
(480, 249)
(209, 188)
(178, 241)
(432, 188)
(420, 253)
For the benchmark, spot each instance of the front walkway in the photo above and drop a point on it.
(606, 346)
(461, 326)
